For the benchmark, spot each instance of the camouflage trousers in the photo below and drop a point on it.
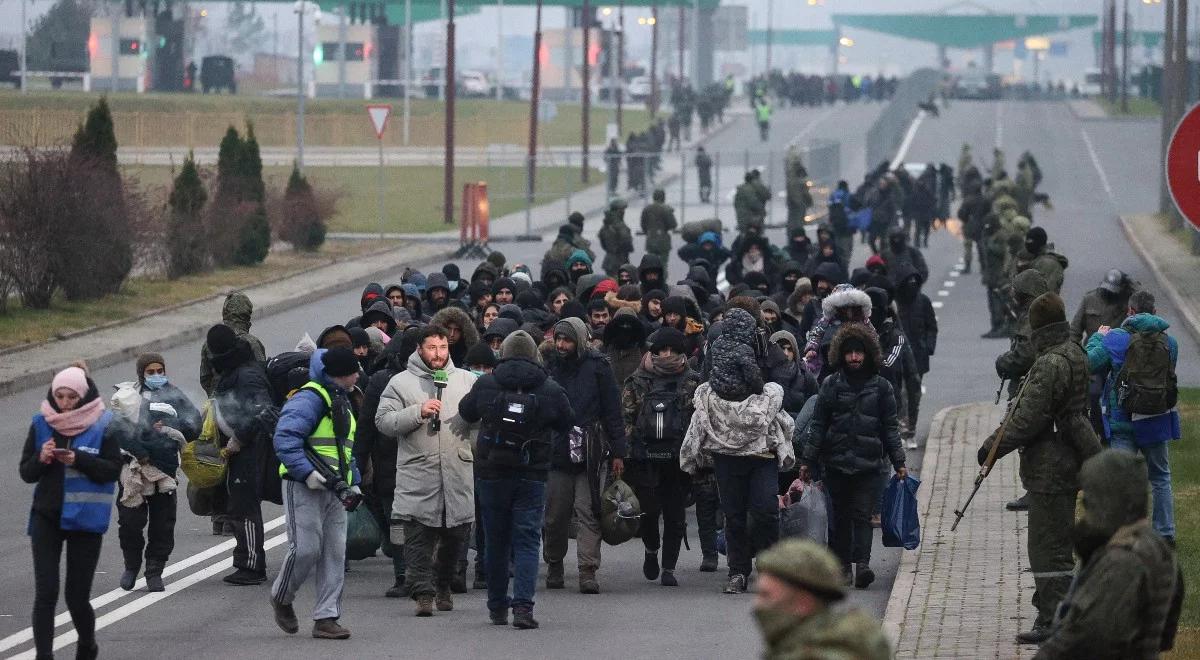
(1051, 518)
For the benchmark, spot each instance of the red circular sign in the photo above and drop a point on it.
(1183, 166)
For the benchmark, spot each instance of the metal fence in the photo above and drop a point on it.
(888, 131)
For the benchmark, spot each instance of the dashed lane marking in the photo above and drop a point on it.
(949, 283)
(943, 293)
(937, 304)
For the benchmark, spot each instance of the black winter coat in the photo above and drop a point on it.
(553, 416)
(853, 429)
(595, 396)
(372, 447)
(920, 327)
(240, 395)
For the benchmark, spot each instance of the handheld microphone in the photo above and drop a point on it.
(440, 382)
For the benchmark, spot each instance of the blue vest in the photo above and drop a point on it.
(87, 505)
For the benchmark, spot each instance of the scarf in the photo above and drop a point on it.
(751, 264)
(672, 365)
(71, 423)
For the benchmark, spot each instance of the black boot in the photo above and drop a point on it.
(87, 651)
(1019, 504)
(458, 583)
(154, 581)
(1037, 635)
(129, 577)
(650, 565)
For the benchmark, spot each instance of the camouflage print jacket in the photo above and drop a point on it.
(1124, 604)
(1013, 364)
(1048, 419)
(827, 635)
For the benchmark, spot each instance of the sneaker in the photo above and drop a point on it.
(650, 565)
(329, 629)
(863, 576)
(154, 581)
(709, 563)
(285, 618)
(424, 605)
(1037, 635)
(588, 583)
(443, 600)
(498, 617)
(244, 577)
(737, 584)
(668, 578)
(554, 576)
(1019, 504)
(128, 578)
(397, 590)
(523, 618)
(910, 443)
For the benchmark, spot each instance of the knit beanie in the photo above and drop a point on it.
(519, 345)
(74, 379)
(480, 354)
(1035, 239)
(339, 362)
(576, 218)
(504, 283)
(1048, 308)
(668, 338)
(359, 337)
(220, 339)
(146, 359)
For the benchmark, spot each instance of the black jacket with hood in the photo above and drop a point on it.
(917, 316)
(587, 376)
(854, 425)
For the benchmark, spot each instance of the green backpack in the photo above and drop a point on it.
(1146, 384)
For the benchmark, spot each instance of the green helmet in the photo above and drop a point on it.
(618, 203)
(806, 565)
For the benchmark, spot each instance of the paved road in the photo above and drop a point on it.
(645, 620)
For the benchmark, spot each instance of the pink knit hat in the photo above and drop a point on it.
(72, 378)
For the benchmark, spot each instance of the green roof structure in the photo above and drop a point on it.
(963, 30)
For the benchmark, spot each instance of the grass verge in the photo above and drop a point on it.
(1185, 478)
(199, 120)
(142, 294)
(1138, 107)
(412, 198)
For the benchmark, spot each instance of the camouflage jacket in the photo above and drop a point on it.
(658, 220)
(1124, 604)
(827, 635)
(634, 391)
(1013, 364)
(235, 313)
(1048, 419)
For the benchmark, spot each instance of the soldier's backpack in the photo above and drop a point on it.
(1146, 384)
(660, 423)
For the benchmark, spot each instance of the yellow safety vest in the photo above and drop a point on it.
(324, 440)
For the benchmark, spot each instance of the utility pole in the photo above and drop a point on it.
(451, 92)
(653, 60)
(586, 20)
(534, 93)
(341, 60)
(620, 64)
(1125, 61)
(697, 79)
(24, 44)
(679, 38)
(1166, 99)
(499, 50)
(770, 32)
(408, 67)
(300, 87)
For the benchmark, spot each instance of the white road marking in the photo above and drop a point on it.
(999, 126)
(937, 304)
(808, 129)
(943, 293)
(128, 609)
(955, 273)
(949, 283)
(64, 618)
(1087, 142)
(908, 139)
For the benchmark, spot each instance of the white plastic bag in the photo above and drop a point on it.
(807, 517)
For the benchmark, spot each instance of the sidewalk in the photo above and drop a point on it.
(963, 594)
(1175, 268)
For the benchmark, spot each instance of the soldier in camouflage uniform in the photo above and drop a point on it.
(615, 238)
(1035, 253)
(799, 581)
(748, 206)
(1048, 423)
(799, 199)
(1013, 364)
(658, 221)
(1124, 603)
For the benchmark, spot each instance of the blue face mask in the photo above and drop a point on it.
(156, 381)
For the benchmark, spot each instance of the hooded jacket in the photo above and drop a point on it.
(798, 384)
(588, 379)
(648, 263)
(624, 337)
(854, 426)
(241, 392)
(735, 372)
(553, 415)
(434, 476)
(300, 416)
(380, 310)
(821, 335)
(917, 316)
(1106, 355)
(714, 257)
(437, 281)
(754, 426)
(470, 334)
(905, 254)
(235, 313)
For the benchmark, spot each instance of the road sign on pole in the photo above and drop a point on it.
(379, 115)
(1183, 166)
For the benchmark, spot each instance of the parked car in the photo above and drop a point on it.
(977, 85)
(474, 83)
(639, 88)
(216, 73)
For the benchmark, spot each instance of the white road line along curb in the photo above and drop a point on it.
(908, 139)
(1087, 141)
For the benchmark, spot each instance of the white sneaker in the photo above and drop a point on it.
(911, 443)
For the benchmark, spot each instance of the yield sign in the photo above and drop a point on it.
(379, 116)
(1183, 166)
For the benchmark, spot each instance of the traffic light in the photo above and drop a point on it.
(318, 55)
(131, 47)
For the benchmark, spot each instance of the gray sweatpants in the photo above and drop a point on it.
(316, 529)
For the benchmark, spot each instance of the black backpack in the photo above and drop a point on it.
(1146, 384)
(278, 368)
(661, 423)
(510, 431)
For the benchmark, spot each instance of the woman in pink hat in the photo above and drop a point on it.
(72, 454)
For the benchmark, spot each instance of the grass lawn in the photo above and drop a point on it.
(21, 326)
(198, 120)
(1185, 477)
(412, 195)
(1138, 107)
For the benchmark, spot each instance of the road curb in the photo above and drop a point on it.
(102, 360)
(1108, 117)
(1181, 304)
(906, 572)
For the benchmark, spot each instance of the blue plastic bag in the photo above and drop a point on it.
(899, 514)
(861, 219)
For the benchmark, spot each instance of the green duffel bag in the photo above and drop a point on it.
(363, 537)
(690, 231)
(620, 513)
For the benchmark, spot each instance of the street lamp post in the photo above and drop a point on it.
(586, 20)
(300, 8)
(451, 92)
(24, 43)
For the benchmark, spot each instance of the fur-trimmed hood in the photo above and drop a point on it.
(845, 295)
(863, 333)
(470, 334)
(616, 304)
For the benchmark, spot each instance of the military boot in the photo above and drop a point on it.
(424, 605)
(587, 581)
(523, 618)
(554, 575)
(863, 576)
(443, 600)
(154, 580)
(1019, 504)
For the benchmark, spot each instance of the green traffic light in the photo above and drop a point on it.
(318, 54)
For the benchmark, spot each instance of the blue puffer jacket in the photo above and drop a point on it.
(299, 417)
(1106, 354)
